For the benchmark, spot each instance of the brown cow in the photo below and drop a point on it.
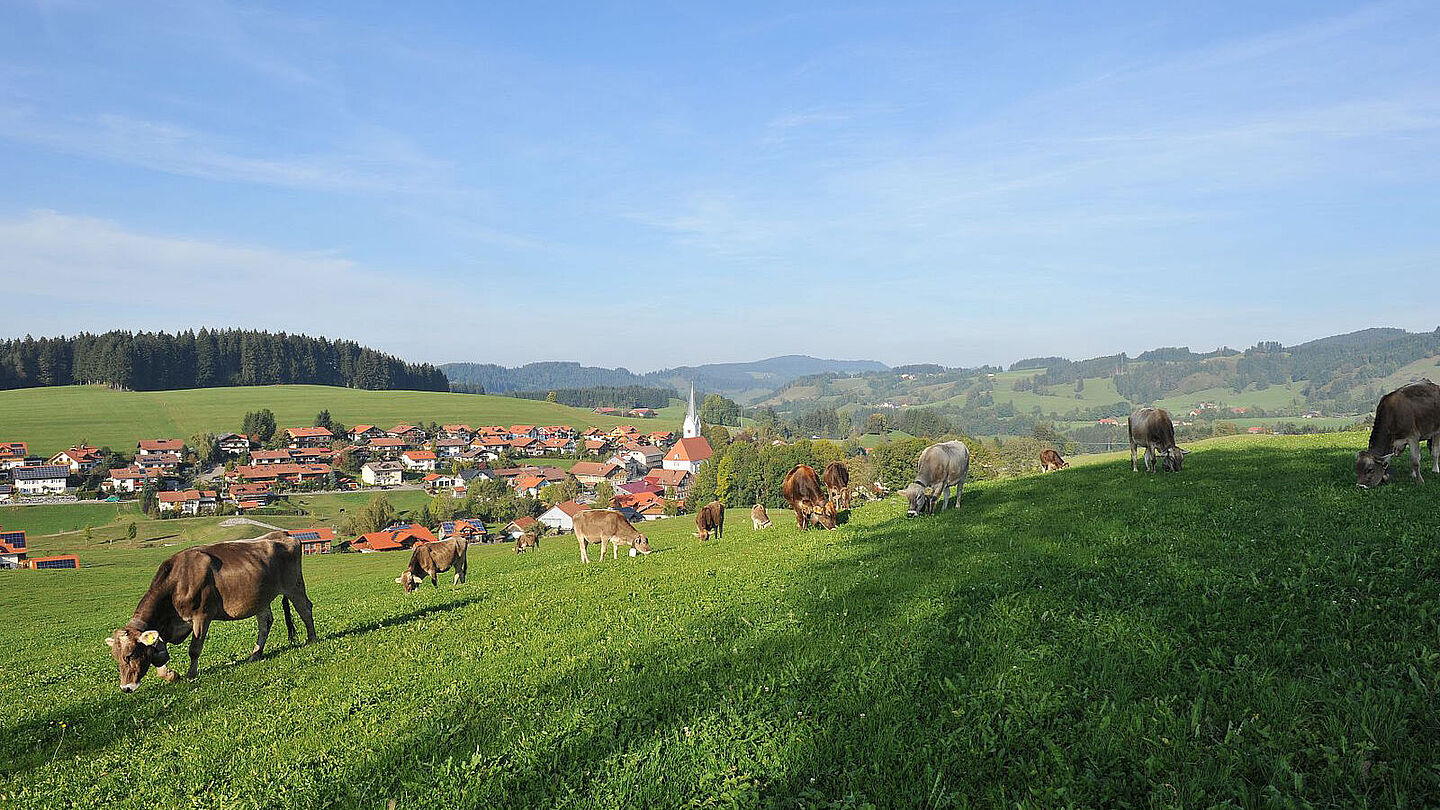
(525, 542)
(218, 582)
(1404, 416)
(1051, 461)
(711, 518)
(802, 489)
(604, 526)
(432, 559)
(759, 518)
(1152, 429)
(837, 483)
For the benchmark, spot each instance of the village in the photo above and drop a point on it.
(634, 472)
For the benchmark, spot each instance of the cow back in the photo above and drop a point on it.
(1152, 426)
(837, 476)
(944, 463)
(1410, 410)
(595, 524)
(801, 485)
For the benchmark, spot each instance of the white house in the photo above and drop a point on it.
(561, 516)
(418, 460)
(46, 479)
(382, 474)
(688, 454)
(189, 502)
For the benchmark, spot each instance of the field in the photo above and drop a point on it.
(51, 419)
(1253, 631)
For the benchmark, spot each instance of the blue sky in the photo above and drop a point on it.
(648, 186)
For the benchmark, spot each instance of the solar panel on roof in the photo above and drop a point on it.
(61, 563)
(305, 535)
(15, 540)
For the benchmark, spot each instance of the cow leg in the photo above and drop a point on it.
(1133, 468)
(1435, 460)
(1415, 460)
(265, 618)
(305, 607)
(199, 627)
(289, 620)
(584, 555)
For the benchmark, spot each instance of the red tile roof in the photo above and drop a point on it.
(309, 433)
(161, 445)
(696, 448)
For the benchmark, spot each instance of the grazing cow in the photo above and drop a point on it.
(218, 582)
(1403, 417)
(432, 559)
(606, 527)
(837, 483)
(1051, 461)
(711, 519)
(802, 489)
(525, 542)
(1152, 429)
(940, 467)
(759, 518)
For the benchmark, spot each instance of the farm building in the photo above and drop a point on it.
(470, 530)
(518, 526)
(561, 516)
(12, 549)
(394, 538)
(313, 541)
(60, 562)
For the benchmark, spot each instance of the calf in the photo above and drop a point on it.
(1051, 461)
(1404, 416)
(802, 489)
(606, 527)
(711, 520)
(939, 468)
(432, 559)
(759, 518)
(837, 483)
(1152, 429)
(525, 542)
(222, 581)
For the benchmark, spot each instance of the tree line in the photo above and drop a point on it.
(624, 397)
(158, 361)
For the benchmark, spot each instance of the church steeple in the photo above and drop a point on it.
(691, 429)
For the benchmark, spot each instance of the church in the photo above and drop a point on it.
(693, 449)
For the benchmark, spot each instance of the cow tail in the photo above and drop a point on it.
(289, 620)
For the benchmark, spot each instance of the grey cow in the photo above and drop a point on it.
(940, 467)
(1152, 429)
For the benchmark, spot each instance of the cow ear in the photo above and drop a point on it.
(149, 637)
(109, 641)
(1184, 452)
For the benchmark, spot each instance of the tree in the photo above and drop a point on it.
(131, 531)
(604, 495)
(719, 410)
(322, 419)
(259, 425)
(149, 501)
(206, 450)
(551, 397)
(376, 515)
(875, 423)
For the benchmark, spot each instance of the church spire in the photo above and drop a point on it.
(691, 428)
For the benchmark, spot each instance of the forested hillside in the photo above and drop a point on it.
(158, 361)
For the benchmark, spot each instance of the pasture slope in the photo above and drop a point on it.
(51, 419)
(1254, 631)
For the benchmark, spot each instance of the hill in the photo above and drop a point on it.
(51, 419)
(1254, 630)
(734, 379)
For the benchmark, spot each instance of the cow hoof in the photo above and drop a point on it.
(168, 674)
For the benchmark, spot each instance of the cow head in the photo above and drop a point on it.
(640, 545)
(136, 651)
(1371, 470)
(918, 499)
(1173, 459)
(409, 581)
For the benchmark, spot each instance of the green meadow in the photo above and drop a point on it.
(51, 419)
(1253, 631)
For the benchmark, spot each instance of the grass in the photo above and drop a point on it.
(51, 419)
(1253, 631)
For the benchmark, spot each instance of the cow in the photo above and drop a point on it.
(710, 519)
(218, 582)
(525, 542)
(1403, 417)
(1051, 461)
(604, 526)
(759, 518)
(939, 467)
(837, 483)
(1152, 429)
(802, 489)
(431, 560)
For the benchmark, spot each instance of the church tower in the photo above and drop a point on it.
(691, 428)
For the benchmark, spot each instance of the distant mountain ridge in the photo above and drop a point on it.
(734, 379)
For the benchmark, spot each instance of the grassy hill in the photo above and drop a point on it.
(51, 419)
(1252, 631)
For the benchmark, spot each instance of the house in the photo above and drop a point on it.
(596, 447)
(558, 444)
(461, 432)
(394, 538)
(468, 529)
(313, 541)
(387, 447)
(662, 438)
(132, 479)
(165, 462)
(234, 444)
(412, 435)
(271, 457)
(250, 495)
(434, 482)
(606, 410)
(526, 446)
(290, 473)
(643, 413)
(517, 527)
(7, 493)
(591, 473)
(1255, 429)
(492, 444)
(311, 455)
(666, 480)
(364, 433)
(12, 454)
(561, 516)
(382, 474)
(81, 458)
(688, 454)
(13, 548)
(1109, 420)
(643, 485)
(1239, 411)
(43, 479)
(643, 456)
(528, 431)
(646, 505)
(309, 436)
(189, 502)
(529, 485)
(451, 448)
(423, 460)
(152, 446)
(56, 562)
